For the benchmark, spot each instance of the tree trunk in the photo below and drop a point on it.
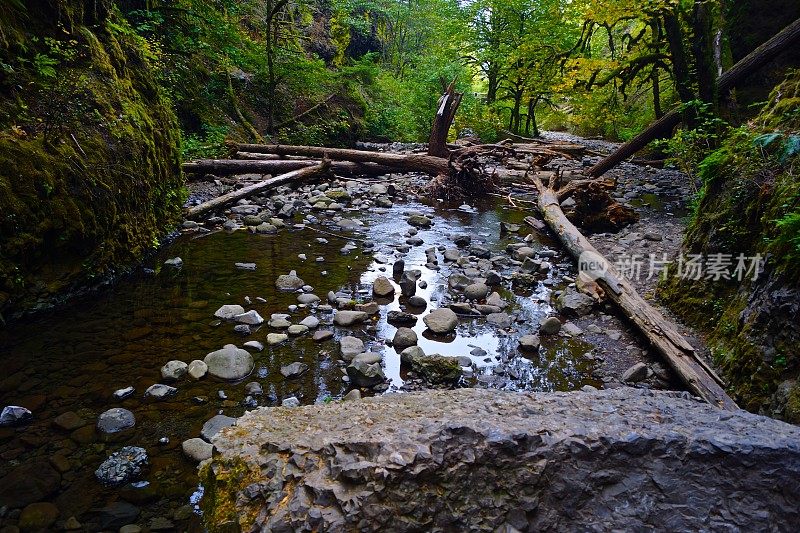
(446, 112)
(229, 167)
(663, 335)
(410, 163)
(245, 192)
(663, 127)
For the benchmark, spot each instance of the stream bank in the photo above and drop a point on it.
(339, 238)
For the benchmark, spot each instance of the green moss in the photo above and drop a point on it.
(91, 163)
(749, 204)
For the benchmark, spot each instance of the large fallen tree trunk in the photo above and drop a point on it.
(664, 127)
(662, 333)
(406, 162)
(301, 175)
(228, 167)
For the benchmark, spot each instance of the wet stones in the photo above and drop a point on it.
(441, 321)
(38, 516)
(28, 483)
(115, 420)
(573, 303)
(363, 374)
(550, 326)
(398, 268)
(230, 363)
(229, 312)
(382, 287)
(308, 299)
(408, 285)
(399, 318)
(476, 291)
(273, 339)
(296, 330)
(197, 449)
(462, 241)
(251, 318)
(349, 318)
(291, 401)
(501, 320)
(310, 322)
(436, 369)
(69, 421)
(417, 302)
(121, 394)
(522, 253)
(480, 251)
(403, 338)
(15, 415)
(419, 221)
(122, 466)
(197, 369)
(350, 347)
(175, 262)
(322, 335)
(214, 425)
(294, 370)
(159, 391)
(174, 370)
(529, 343)
(289, 282)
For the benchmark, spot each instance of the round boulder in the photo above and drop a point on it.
(115, 420)
(441, 321)
(174, 370)
(230, 363)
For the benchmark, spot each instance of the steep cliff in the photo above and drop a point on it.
(89, 149)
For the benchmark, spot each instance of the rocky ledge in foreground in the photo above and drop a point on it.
(482, 460)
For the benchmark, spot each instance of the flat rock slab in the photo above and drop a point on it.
(623, 459)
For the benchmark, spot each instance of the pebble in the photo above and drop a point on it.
(254, 345)
(121, 394)
(160, 391)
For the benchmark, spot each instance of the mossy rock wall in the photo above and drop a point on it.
(89, 151)
(750, 204)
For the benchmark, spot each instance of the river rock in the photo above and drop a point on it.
(214, 425)
(175, 262)
(322, 335)
(419, 221)
(289, 282)
(529, 343)
(594, 451)
(550, 326)
(251, 318)
(366, 375)
(350, 347)
(254, 345)
(15, 415)
(174, 370)
(417, 302)
(115, 420)
(197, 449)
(230, 363)
(114, 516)
(437, 369)
(403, 338)
(501, 320)
(121, 394)
(441, 321)
(476, 291)
(308, 299)
(368, 357)
(636, 373)
(28, 483)
(122, 466)
(291, 401)
(294, 370)
(352, 396)
(229, 312)
(573, 303)
(296, 330)
(520, 254)
(69, 421)
(159, 391)
(38, 516)
(310, 322)
(349, 318)
(382, 287)
(197, 369)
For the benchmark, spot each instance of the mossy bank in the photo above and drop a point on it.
(89, 150)
(749, 204)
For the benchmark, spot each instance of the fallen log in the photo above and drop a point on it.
(301, 175)
(662, 333)
(664, 127)
(270, 157)
(406, 162)
(228, 167)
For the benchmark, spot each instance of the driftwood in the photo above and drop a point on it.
(664, 127)
(245, 192)
(446, 112)
(229, 167)
(662, 333)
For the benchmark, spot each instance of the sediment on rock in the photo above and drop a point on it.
(623, 459)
